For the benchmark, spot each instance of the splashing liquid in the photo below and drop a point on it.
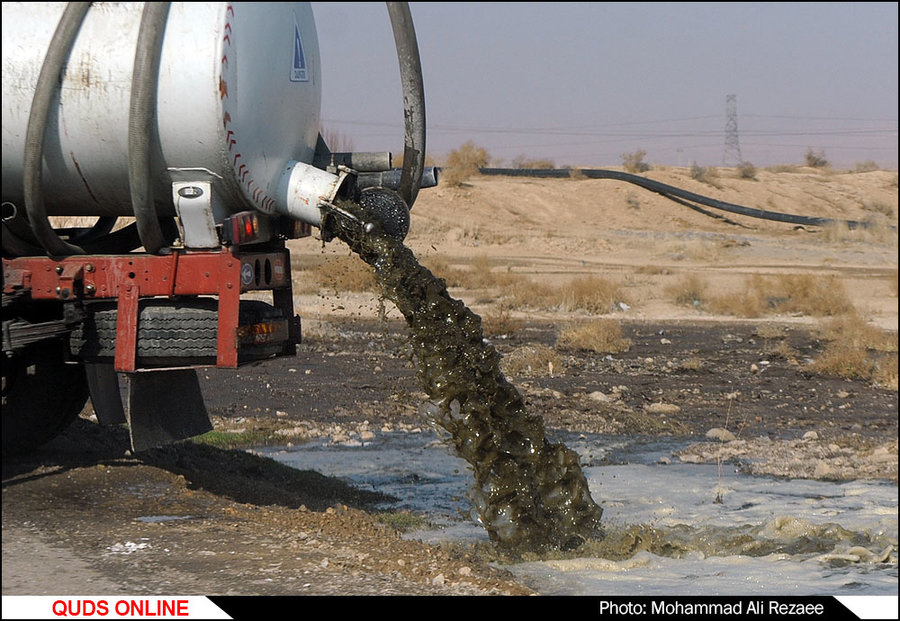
(529, 494)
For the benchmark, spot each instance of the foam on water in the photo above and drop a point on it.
(665, 531)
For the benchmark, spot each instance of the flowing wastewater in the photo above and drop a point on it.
(492, 471)
(665, 532)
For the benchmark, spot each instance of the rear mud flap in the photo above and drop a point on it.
(163, 407)
(106, 398)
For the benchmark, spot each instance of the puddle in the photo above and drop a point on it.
(672, 528)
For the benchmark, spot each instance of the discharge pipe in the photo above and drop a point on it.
(309, 194)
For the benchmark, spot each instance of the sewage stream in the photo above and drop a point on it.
(495, 472)
(530, 494)
(665, 533)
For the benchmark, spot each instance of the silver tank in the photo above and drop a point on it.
(238, 106)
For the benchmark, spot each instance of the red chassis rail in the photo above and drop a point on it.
(128, 278)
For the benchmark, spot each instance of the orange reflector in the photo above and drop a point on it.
(241, 228)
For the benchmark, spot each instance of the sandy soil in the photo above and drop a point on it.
(85, 516)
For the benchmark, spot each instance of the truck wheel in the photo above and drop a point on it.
(42, 395)
(170, 332)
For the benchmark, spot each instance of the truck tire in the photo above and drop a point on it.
(42, 395)
(169, 332)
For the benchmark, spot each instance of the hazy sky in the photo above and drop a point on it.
(583, 83)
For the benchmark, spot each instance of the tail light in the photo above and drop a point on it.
(241, 228)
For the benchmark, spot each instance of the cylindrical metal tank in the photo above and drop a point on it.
(238, 103)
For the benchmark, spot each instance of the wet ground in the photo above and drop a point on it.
(85, 516)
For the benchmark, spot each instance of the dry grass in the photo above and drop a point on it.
(878, 230)
(858, 350)
(700, 250)
(746, 170)
(344, 273)
(523, 162)
(440, 266)
(690, 290)
(705, 174)
(481, 273)
(535, 360)
(603, 336)
(879, 207)
(783, 168)
(691, 364)
(500, 322)
(804, 294)
(866, 166)
(463, 163)
(855, 331)
(634, 162)
(591, 294)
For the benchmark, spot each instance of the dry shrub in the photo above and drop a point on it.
(522, 162)
(885, 374)
(879, 207)
(867, 166)
(500, 322)
(858, 350)
(532, 360)
(691, 364)
(746, 170)
(816, 159)
(397, 161)
(783, 168)
(439, 265)
(603, 336)
(347, 273)
(463, 164)
(695, 250)
(784, 351)
(804, 294)
(746, 303)
(705, 174)
(856, 332)
(768, 332)
(689, 291)
(591, 294)
(482, 275)
(634, 162)
(877, 229)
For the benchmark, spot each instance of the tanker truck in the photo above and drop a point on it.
(184, 140)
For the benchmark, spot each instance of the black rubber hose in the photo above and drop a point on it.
(670, 191)
(664, 189)
(15, 246)
(413, 100)
(45, 89)
(142, 123)
(83, 236)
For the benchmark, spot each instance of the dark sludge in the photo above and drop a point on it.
(529, 494)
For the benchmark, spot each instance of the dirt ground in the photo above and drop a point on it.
(85, 516)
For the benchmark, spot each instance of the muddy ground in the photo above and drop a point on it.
(85, 516)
